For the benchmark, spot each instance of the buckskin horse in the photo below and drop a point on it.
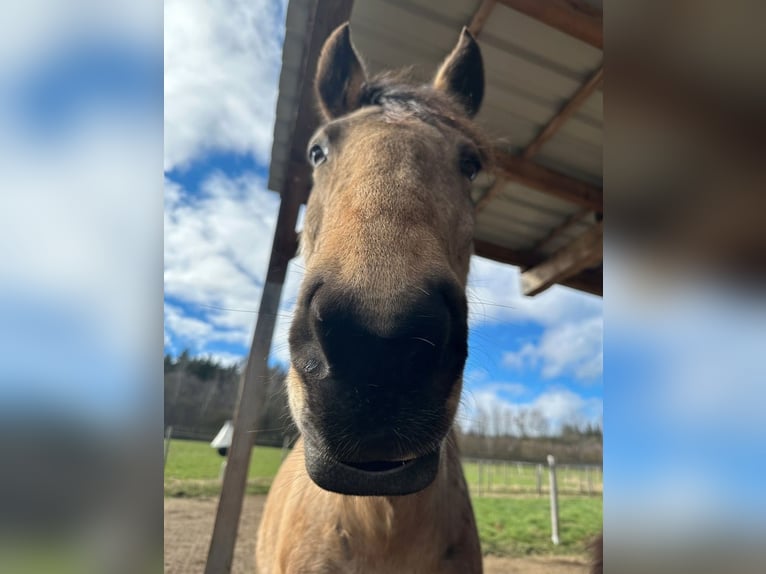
(378, 341)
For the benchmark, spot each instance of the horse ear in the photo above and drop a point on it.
(340, 75)
(462, 73)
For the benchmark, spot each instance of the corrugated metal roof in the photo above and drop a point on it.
(531, 70)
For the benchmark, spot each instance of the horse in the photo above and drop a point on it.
(379, 337)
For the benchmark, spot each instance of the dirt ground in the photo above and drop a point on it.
(189, 524)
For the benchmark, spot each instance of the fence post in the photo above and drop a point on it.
(481, 468)
(554, 500)
(539, 479)
(168, 436)
(490, 474)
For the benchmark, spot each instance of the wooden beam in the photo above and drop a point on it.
(566, 111)
(568, 222)
(324, 18)
(584, 252)
(569, 16)
(589, 280)
(480, 17)
(523, 259)
(547, 181)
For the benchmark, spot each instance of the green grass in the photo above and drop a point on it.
(193, 469)
(516, 525)
(522, 526)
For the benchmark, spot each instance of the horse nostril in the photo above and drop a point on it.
(312, 365)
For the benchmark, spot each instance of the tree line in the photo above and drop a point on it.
(525, 434)
(201, 394)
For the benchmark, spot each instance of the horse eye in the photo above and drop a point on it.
(316, 155)
(470, 167)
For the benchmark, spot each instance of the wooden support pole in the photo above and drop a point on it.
(168, 438)
(490, 474)
(566, 111)
(324, 17)
(539, 476)
(554, 500)
(252, 395)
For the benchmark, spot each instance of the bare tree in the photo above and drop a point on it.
(522, 417)
(538, 424)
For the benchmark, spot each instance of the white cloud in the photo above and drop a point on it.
(217, 243)
(222, 62)
(567, 349)
(563, 406)
(513, 389)
(185, 327)
(217, 248)
(521, 358)
(494, 296)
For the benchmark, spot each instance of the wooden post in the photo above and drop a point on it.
(252, 394)
(490, 473)
(168, 437)
(324, 17)
(554, 500)
(539, 479)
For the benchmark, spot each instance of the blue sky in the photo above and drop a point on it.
(221, 75)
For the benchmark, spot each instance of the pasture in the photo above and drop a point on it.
(510, 522)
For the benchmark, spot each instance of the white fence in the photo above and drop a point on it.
(505, 478)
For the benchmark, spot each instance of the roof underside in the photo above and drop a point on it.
(542, 209)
